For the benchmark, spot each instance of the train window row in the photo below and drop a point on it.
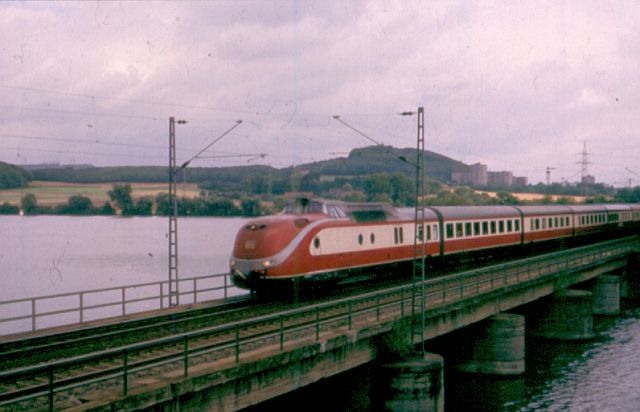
(593, 219)
(482, 228)
(542, 223)
(432, 232)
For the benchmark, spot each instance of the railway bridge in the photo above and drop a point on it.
(261, 356)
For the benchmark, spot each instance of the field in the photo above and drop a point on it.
(55, 193)
(538, 196)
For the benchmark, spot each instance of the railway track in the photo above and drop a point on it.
(119, 370)
(48, 347)
(68, 370)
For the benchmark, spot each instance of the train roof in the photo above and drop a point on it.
(537, 210)
(591, 208)
(475, 212)
(358, 211)
(615, 207)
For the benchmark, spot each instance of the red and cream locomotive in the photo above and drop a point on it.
(323, 240)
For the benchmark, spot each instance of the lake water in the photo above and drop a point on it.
(45, 255)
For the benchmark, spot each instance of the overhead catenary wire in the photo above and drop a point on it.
(216, 140)
(391, 152)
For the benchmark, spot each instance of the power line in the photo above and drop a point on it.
(70, 140)
(121, 99)
(20, 149)
(126, 116)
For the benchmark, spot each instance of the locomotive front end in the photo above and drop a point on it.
(261, 246)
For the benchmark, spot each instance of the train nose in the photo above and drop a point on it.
(265, 238)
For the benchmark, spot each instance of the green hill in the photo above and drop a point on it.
(13, 177)
(360, 162)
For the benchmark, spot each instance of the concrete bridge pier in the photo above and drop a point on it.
(494, 346)
(630, 278)
(606, 295)
(566, 315)
(412, 385)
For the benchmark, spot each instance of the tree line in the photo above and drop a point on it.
(122, 202)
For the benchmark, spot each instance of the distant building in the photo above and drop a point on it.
(500, 179)
(588, 180)
(478, 174)
(520, 181)
(460, 178)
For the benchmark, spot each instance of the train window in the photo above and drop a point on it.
(316, 243)
(493, 226)
(537, 224)
(555, 221)
(544, 223)
(533, 224)
(420, 232)
(509, 226)
(501, 226)
(467, 229)
(395, 235)
(458, 229)
(360, 239)
(449, 230)
(567, 220)
(435, 232)
(517, 225)
(400, 235)
(550, 223)
(372, 238)
(476, 228)
(428, 232)
(582, 220)
(485, 228)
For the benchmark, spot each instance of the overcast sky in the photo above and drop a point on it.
(516, 85)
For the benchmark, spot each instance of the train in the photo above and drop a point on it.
(318, 241)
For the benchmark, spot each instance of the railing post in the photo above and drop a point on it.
(124, 303)
(50, 387)
(125, 373)
(33, 314)
(225, 286)
(81, 306)
(237, 345)
(195, 290)
(186, 356)
(281, 333)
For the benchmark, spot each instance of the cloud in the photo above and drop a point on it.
(515, 85)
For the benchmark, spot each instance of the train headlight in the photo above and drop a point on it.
(266, 264)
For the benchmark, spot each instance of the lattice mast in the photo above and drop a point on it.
(173, 294)
(419, 241)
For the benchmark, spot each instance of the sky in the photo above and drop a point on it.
(516, 85)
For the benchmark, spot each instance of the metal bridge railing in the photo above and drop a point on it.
(121, 367)
(30, 314)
